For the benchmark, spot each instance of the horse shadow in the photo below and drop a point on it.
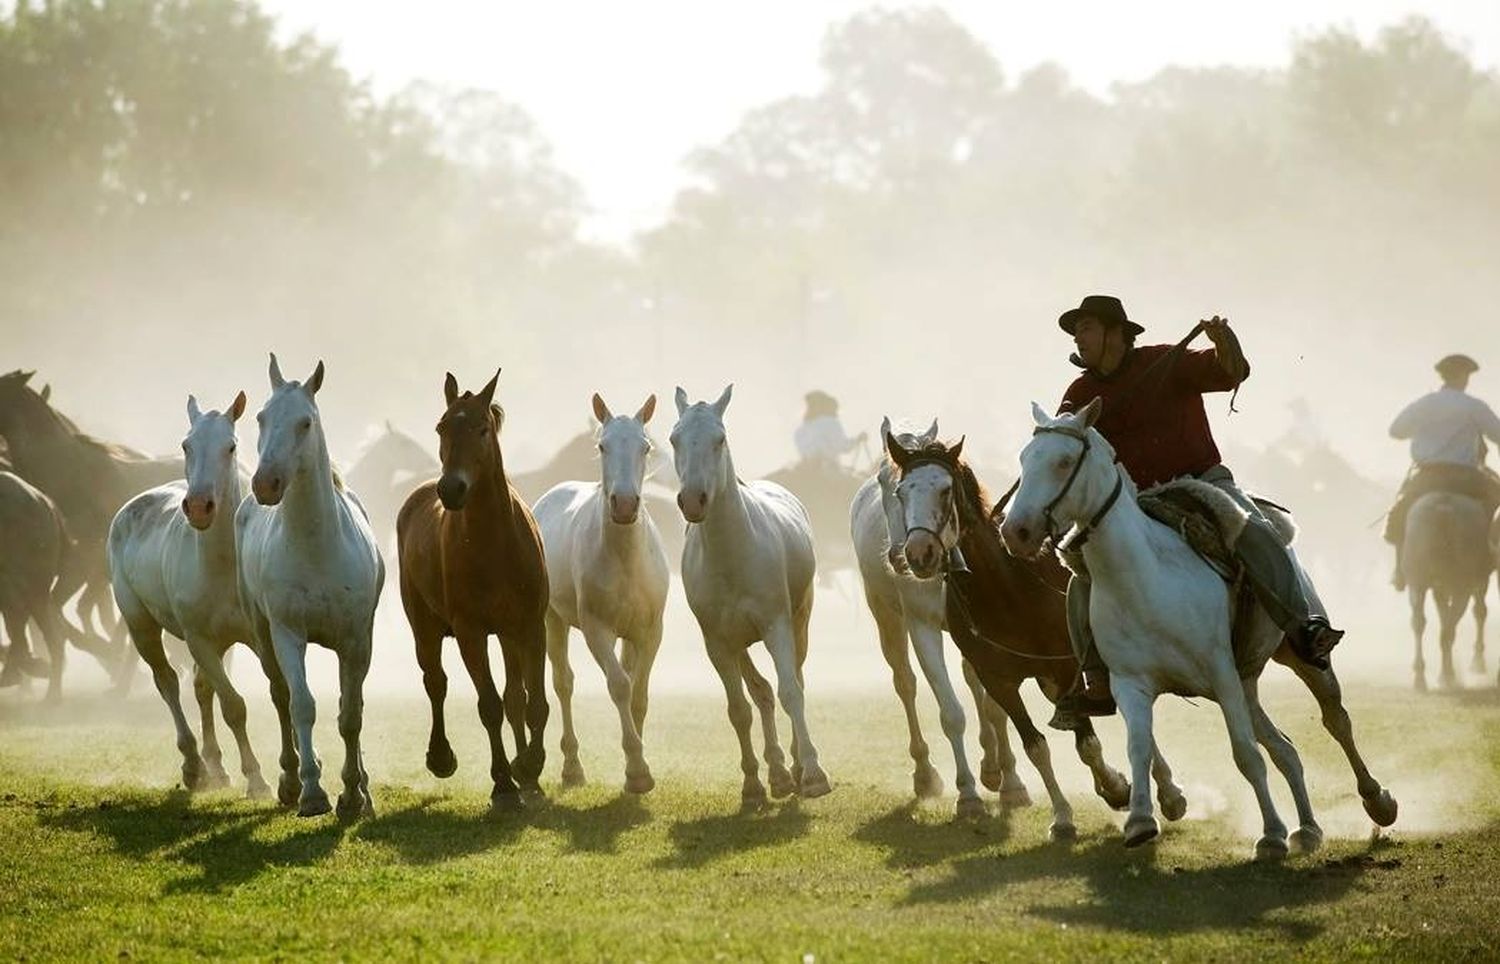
(910, 844)
(698, 843)
(1141, 892)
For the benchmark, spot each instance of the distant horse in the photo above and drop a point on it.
(1445, 551)
(608, 576)
(748, 572)
(309, 572)
(1007, 616)
(906, 608)
(826, 488)
(89, 480)
(1161, 618)
(36, 542)
(388, 468)
(172, 564)
(472, 566)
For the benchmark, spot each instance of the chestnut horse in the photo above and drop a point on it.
(1007, 615)
(472, 565)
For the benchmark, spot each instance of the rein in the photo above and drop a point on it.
(1081, 535)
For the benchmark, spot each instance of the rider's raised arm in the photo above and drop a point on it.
(1489, 422)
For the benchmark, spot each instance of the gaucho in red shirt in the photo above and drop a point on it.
(1153, 416)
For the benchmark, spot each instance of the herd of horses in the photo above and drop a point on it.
(289, 556)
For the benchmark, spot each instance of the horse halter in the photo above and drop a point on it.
(1082, 535)
(949, 513)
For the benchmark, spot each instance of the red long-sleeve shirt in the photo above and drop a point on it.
(1160, 430)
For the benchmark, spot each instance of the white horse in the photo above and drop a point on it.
(310, 572)
(608, 576)
(908, 608)
(172, 567)
(748, 570)
(1161, 619)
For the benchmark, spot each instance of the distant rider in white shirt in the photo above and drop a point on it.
(821, 437)
(1447, 429)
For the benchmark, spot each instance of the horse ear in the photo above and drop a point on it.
(315, 380)
(47, 392)
(1040, 416)
(885, 426)
(25, 376)
(488, 391)
(1090, 413)
(601, 410)
(276, 377)
(957, 450)
(389, 427)
(236, 407)
(931, 434)
(450, 389)
(681, 399)
(723, 402)
(899, 455)
(194, 412)
(648, 409)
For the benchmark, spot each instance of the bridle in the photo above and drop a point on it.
(1081, 535)
(948, 515)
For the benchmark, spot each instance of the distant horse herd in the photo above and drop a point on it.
(293, 554)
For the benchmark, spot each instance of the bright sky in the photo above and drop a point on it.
(624, 90)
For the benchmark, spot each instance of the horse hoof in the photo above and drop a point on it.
(1115, 793)
(640, 783)
(257, 789)
(313, 805)
(352, 806)
(1419, 684)
(1448, 681)
(288, 790)
(992, 778)
(1065, 833)
(1478, 668)
(1173, 805)
(926, 783)
(1307, 839)
(1015, 796)
(1381, 808)
(1270, 848)
(1141, 830)
(508, 801)
(814, 784)
(971, 808)
(572, 775)
(782, 784)
(215, 780)
(194, 777)
(753, 793)
(442, 762)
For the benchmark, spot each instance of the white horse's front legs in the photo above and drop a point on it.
(1239, 720)
(891, 628)
(764, 698)
(726, 662)
(1308, 836)
(1169, 795)
(928, 642)
(291, 656)
(210, 661)
(601, 643)
(1135, 703)
(782, 644)
(639, 658)
(354, 665)
(562, 685)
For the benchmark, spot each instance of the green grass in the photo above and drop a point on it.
(101, 857)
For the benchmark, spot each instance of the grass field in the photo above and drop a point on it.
(103, 857)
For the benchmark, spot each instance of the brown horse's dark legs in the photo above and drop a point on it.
(514, 701)
(1008, 695)
(472, 647)
(428, 638)
(533, 665)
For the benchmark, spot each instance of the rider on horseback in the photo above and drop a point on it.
(1447, 429)
(821, 437)
(1154, 418)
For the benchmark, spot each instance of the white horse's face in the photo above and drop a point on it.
(288, 425)
(931, 516)
(1048, 462)
(700, 452)
(624, 451)
(208, 454)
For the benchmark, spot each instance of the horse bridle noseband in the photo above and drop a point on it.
(1081, 536)
(953, 559)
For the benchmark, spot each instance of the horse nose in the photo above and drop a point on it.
(623, 508)
(267, 488)
(451, 490)
(692, 506)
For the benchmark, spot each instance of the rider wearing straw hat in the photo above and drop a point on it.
(1154, 418)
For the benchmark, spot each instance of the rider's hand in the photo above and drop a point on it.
(1216, 328)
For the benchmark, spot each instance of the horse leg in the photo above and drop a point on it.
(1169, 795)
(640, 657)
(291, 656)
(354, 666)
(1308, 836)
(288, 785)
(601, 643)
(1135, 704)
(147, 637)
(1481, 613)
(1235, 707)
(473, 647)
(781, 641)
(727, 664)
(1007, 693)
(210, 660)
(427, 640)
(19, 653)
(531, 660)
(927, 640)
(997, 771)
(764, 698)
(1451, 605)
(1417, 596)
(514, 695)
(562, 685)
(1110, 784)
(1325, 688)
(892, 633)
(213, 757)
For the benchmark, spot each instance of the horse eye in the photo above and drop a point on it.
(232, 448)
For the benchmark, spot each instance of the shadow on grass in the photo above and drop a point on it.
(1140, 892)
(909, 843)
(701, 842)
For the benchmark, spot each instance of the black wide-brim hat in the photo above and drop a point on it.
(1106, 308)
(1457, 365)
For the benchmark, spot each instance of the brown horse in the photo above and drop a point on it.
(88, 480)
(472, 565)
(36, 542)
(1007, 615)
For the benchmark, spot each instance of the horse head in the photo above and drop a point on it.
(468, 440)
(291, 434)
(700, 453)
(926, 478)
(208, 454)
(1067, 473)
(623, 453)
